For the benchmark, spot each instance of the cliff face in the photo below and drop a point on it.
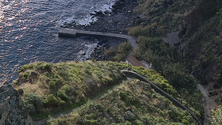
(12, 108)
(201, 44)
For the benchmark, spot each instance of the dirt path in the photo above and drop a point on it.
(209, 104)
(132, 74)
(44, 121)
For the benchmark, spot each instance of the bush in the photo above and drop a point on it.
(177, 77)
(90, 122)
(30, 107)
(123, 50)
(91, 116)
(52, 84)
(32, 102)
(45, 66)
(52, 100)
(25, 75)
(129, 116)
(138, 122)
(62, 95)
(34, 99)
(24, 67)
(48, 66)
(216, 117)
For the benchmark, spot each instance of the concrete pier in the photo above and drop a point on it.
(74, 32)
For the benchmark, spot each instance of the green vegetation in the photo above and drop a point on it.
(124, 49)
(64, 86)
(157, 18)
(134, 103)
(216, 118)
(52, 88)
(202, 51)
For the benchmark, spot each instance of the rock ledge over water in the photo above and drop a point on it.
(12, 108)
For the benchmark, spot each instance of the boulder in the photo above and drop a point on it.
(12, 108)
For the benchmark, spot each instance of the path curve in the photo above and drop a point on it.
(44, 121)
(75, 32)
(175, 101)
(208, 104)
(129, 74)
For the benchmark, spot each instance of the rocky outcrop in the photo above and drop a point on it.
(12, 108)
(98, 53)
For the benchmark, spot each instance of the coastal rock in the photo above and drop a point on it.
(12, 108)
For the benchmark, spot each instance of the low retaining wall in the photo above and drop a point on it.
(162, 92)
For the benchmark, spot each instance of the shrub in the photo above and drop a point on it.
(52, 84)
(176, 76)
(32, 102)
(216, 117)
(138, 122)
(24, 67)
(34, 99)
(123, 95)
(64, 74)
(184, 121)
(123, 50)
(48, 66)
(129, 116)
(25, 75)
(40, 63)
(30, 107)
(62, 95)
(90, 122)
(91, 116)
(52, 100)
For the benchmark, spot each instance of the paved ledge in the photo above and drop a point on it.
(73, 33)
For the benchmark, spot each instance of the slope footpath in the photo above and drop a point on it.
(175, 101)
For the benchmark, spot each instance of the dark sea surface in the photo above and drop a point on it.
(28, 32)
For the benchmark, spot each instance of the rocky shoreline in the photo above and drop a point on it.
(117, 21)
(104, 43)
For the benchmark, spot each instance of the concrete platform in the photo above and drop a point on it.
(73, 33)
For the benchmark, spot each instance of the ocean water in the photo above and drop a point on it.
(29, 32)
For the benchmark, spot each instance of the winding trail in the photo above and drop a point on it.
(208, 104)
(129, 74)
(73, 33)
(44, 121)
(175, 101)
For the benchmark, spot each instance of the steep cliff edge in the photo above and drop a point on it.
(198, 53)
(12, 108)
(201, 44)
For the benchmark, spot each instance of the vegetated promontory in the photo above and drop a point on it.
(49, 89)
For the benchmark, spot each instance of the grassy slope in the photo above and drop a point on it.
(216, 118)
(199, 25)
(52, 88)
(157, 18)
(134, 103)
